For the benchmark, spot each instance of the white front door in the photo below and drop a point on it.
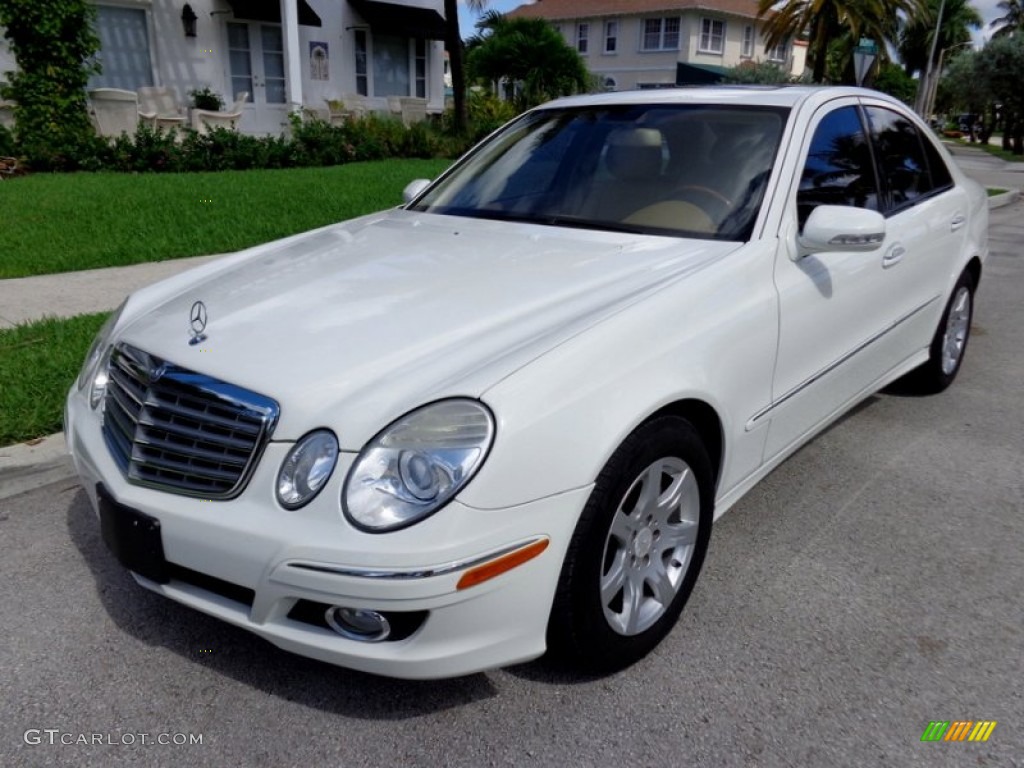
(256, 60)
(842, 316)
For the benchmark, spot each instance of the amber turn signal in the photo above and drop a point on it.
(500, 565)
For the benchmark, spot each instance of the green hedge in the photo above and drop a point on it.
(312, 143)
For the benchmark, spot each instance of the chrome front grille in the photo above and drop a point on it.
(170, 428)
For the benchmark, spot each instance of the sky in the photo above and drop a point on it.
(467, 19)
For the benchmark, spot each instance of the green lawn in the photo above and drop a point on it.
(65, 222)
(38, 363)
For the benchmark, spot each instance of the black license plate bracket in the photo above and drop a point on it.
(133, 537)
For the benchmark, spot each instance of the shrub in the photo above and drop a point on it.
(54, 45)
(206, 98)
(312, 143)
(7, 147)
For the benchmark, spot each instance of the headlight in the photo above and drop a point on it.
(416, 465)
(306, 469)
(94, 370)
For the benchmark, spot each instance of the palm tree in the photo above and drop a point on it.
(1012, 19)
(825, 20)
(453, 42)
(916, 33)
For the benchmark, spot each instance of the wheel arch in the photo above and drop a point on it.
(706, 421)
(974, 269)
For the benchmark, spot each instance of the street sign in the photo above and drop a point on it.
(864, 56)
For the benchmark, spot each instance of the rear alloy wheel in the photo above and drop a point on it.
(637, 549)
(946, 353)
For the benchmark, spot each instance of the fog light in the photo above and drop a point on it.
(358, 624)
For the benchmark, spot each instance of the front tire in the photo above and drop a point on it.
(637, 549)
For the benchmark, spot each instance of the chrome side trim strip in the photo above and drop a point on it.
(752, 422)
(416, 573)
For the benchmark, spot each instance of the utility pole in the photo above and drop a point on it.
(924, 87)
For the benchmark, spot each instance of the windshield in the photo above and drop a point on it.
(682, 170)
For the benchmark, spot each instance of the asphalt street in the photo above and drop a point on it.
(870, 585)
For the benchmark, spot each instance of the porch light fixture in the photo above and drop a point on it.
(188, 20)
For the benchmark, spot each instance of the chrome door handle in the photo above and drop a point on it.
(958, 221)
(893, 256)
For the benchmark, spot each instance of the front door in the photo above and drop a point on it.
(843, 317)
(256, 58)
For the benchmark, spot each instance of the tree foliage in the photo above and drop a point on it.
(528, 53)
(917, 33)
(892, 79)
(988, 81)
(54, 44)
(1012, 20)
(826, 20)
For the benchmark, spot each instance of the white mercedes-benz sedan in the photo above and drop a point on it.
(501, 419)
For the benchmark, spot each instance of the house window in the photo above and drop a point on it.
(390, 65)
(777, 53)
(712, 36)
(124, 48)
(611, 36)
(661, 34)
(747, 51)
(421, 67)
(362, 80)
(582, 33)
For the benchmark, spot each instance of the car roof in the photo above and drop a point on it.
(761, 95)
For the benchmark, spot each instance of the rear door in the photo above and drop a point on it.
(921, 202)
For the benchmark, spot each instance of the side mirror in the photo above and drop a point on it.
(413, 188)
(841, 228)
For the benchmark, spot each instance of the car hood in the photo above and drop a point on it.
(351, 325)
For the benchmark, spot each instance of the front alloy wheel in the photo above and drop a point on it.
(637, 548)
(650, 545)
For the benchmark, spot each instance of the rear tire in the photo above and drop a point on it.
(946, 353)
(637, 549)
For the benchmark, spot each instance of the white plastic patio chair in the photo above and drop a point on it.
(114, 111)
(204, 120)
(159, 108)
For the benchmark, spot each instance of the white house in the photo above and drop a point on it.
(648, 43)
(285, 53)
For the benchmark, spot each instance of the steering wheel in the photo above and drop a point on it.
(709, 200)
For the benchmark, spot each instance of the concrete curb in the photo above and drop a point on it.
(1009, 197)
(25, 467)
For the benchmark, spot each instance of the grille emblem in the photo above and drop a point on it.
(197, 319)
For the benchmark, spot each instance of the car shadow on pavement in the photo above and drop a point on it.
(247, 658)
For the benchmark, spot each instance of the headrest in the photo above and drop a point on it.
(634, 153)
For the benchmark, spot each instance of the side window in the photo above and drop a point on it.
(900, 157)
(838, 169)
(941, 177)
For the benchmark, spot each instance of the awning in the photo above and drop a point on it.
(699, 74)
(401, 20)
(270, 10)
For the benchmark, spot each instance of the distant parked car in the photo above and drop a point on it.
(502, 418)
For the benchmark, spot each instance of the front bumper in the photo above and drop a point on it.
(313, 554)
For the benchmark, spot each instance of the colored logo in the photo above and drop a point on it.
(958, 730)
